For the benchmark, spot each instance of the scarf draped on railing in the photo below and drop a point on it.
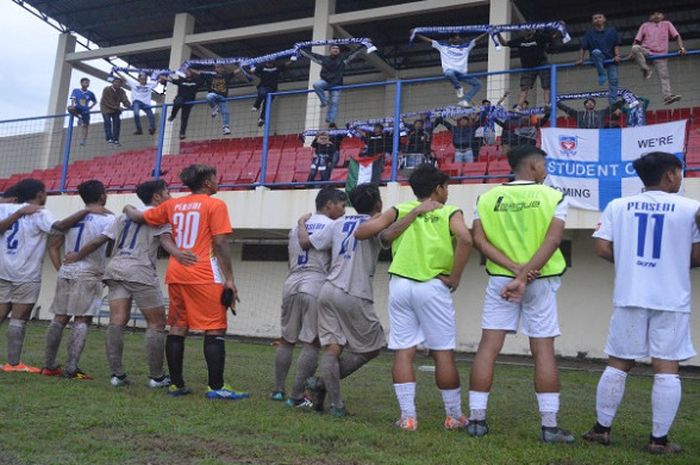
(626, 94)
(364, 41)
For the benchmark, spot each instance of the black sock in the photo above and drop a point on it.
(215, 355)
(600, 429)
(663, 440)
(175, 353)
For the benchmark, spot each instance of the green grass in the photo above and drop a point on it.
(55, 421)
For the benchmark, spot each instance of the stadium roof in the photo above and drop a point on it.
(117, 22)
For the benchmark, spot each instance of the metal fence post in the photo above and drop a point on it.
(553, 96)
(161, 140)
(66, 154)
(266, 138)
(397, 132)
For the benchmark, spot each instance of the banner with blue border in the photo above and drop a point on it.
(594, 166)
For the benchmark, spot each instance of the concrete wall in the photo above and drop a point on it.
(584, 298)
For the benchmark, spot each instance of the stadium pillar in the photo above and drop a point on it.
(179, 52)
(500, 12)
(322, 30)
(58, 100)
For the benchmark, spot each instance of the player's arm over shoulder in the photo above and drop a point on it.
(376, 224)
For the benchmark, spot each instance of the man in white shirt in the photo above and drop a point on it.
(141, 100)
(454, 57)
(24, 230)
(650, 237)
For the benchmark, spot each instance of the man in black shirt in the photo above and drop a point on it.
(186, 93)
(325, 149)
(418, 140)
(332, 69)
(268, 81)
(217, 96)
(532, 46)
(377, 142)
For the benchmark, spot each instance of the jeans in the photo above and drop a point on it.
(464, 156)
(112, 124)
(320, 87)
(611, 70)
(137, 106)
(262, 99)
(456, 78)
(214, 100)
(178, 104)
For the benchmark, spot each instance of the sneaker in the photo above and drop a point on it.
(254, 108)
(225, 393)
(174, 391)
(152, 131)
(138, 133)
(215, 112)
(277, 396)
(601, 79)
(317, 393)
(452, 423)
(20, 368)
(337, 412)
(182, 136)
(171, 118)
(477, 428)
(156, 383)
(464, 104)
(303, 403)
(671, 99)
(460, 92)
(119, 381)
(556, 435)
(663, 449)
(58, 371)
(110, 141)
(77, 374)
(116, 142)
(261, 122)
(82, 142)
(323, 104)
(601, 438)
(227, 130)
(407, 424)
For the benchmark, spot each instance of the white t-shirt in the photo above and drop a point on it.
(456, 58)
(23, 245)
(80, 234)
(652, 235)
(141, 93)
(308, 269)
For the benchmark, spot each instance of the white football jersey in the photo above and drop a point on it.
(308, 269)
(80, 234)
(23, 245)
(652, 235)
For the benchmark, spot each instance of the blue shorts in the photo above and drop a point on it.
(84, 118)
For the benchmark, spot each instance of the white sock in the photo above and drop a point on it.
(549, 407)
(665, 398)
(406, 395)
(611, 388)
(453, 402)
(478, 402)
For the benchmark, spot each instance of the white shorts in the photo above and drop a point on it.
(537, 309)
(421, 313)
(639, 333)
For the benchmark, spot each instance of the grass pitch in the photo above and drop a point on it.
(52, 421)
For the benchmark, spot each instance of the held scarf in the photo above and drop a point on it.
(557, 25)
(626, 94)
(364, 41)
(251, 62)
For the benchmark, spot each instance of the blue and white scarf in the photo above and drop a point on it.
(154, 73)
(626, 94)
(449, 30)
(252, 62)
(364, 41)
(556, 25)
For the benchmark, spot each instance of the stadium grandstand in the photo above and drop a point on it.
(263, 168)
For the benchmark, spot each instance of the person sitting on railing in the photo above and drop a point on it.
(81, 102)
(332, 70)
(532, 46)
(112, 97)
(218, 95)
(603, 43)
(141, 91)
(323, 159)
(268, 81)
(378, 141)
(652, 39)
(589, 117)
(462, 136)
(186, 92)
(454, 57)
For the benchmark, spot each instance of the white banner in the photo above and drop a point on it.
(594, 166)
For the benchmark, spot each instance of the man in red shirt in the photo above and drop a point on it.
(200, 225)
(652, 39)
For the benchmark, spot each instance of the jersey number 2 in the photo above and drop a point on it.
(658, 229)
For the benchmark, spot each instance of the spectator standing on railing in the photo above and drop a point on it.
(112, 97)
(81, 102)
(462, 136)
(603, 44)
(589, 117)
(332, 70)
(141, 100)
(186, 93)
(454, 57)
(217, 96)
(652, 39)
(323, 158)
(268, 81)
(532, 47)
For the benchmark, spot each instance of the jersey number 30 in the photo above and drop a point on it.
(186, 229)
